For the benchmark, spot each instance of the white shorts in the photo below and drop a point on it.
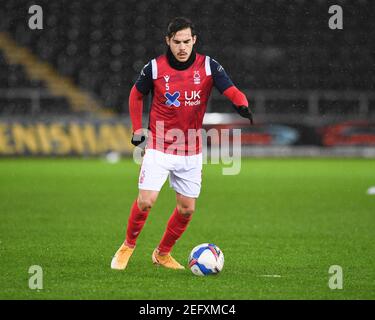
(185, 172)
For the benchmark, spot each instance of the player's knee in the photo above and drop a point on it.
(186, 211)
(145, 204)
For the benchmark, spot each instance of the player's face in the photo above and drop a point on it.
(181, 44)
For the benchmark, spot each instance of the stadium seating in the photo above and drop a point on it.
(102, 45)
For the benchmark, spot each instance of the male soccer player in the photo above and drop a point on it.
(180, 81)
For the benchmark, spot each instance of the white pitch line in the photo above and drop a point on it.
(270, 275)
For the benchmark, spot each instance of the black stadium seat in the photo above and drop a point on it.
(102, 45)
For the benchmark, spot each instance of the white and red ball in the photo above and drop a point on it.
(206, 259)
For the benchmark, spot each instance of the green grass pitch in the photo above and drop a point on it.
(288, 217)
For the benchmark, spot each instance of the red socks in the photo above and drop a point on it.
(136, 222)
(177, 224)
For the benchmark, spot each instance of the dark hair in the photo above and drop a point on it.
(179, 23)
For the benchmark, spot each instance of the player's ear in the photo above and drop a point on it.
(167, 40)
(194, 39)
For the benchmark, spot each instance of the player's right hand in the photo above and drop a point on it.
(138, 139)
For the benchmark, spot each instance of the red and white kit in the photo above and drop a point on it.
(179, 102)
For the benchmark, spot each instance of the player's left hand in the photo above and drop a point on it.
(244, 112)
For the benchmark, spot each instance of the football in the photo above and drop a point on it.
(206, 259)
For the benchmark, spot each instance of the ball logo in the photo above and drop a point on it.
(172, 99)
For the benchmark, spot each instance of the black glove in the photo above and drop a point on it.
(244, 112)
(138, 140)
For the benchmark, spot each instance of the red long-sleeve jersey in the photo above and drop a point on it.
(179, 102)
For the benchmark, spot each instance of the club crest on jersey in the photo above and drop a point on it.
(197, 77)
(172, 99)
